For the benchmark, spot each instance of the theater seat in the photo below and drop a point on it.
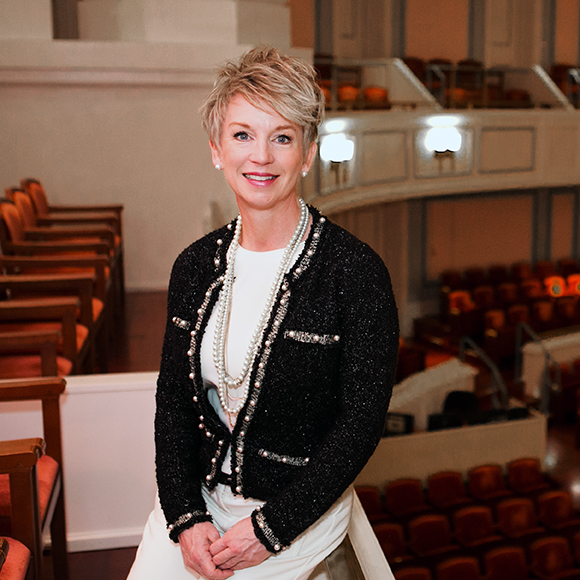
(446, 490)
(459, 568)
(516, 518)
(551, 559)
(414, 573)
(14, 559)
(506, 563)
(429, 535)
(34, 510)
(404, 497)
(556, 512)
(391, 537)
(474, 527)
(371, 502)
(525, 476)
(486, 482)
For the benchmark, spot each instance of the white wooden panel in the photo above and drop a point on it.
(506, 150)
(418, 455)
(383, 157)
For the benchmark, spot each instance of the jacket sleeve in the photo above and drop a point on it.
(177, 469)
(369, 354)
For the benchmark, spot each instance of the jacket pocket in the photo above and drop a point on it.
(312, 337)
(285, 459)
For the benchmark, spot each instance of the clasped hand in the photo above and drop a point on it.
(215, 557)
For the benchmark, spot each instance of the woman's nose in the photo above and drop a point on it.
(262, 152)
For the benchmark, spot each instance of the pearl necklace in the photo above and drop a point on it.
(225, 381)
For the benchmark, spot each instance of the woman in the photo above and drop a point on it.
(279, 353)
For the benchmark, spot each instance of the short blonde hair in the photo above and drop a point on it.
(264, 76)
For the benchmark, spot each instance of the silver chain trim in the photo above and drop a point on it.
(311, 337)
(268, 533)
(185, 518)
(195, 332)
(288, 459)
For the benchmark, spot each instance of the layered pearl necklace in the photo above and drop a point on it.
(225, 381)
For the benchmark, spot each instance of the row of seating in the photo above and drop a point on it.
(32, 506)
(466, 83)
(487, 305)
(62, 283)
(550, 558)
(499, 273)
(406, 497)
(477, 525)
(420, 536)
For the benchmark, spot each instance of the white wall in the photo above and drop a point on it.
(116, 122)
(26, 19)
(107, 429)
(419, 455)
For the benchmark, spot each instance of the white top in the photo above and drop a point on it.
(254, 275)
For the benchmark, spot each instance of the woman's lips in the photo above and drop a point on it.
(262, 178)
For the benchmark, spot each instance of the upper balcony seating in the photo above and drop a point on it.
(487, 305)
(464, 84)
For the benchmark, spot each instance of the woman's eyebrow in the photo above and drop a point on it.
(278, 128)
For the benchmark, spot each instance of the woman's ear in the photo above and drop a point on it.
(310, 155)
(216, 158)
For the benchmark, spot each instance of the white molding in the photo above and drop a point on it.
(104, 77)
(105, 539)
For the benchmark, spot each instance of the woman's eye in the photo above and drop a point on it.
(241, 136)
(283, 139)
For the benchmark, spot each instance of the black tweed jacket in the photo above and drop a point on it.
(320, 386)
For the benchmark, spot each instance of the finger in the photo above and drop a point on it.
(210, 571)
(218, 546)
(224, 559)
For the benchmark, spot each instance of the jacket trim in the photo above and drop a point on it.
(311, 337)
(288, 459)
(247, 413)
(273, 544)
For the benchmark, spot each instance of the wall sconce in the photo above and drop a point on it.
(443, 140)
(337, 150)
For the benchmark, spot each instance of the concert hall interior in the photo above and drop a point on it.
(450, 145)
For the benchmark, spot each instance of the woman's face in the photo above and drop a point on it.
(262, 155)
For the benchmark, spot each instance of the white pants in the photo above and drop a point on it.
(158, 558)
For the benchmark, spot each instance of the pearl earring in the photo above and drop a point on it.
(218, 167)
(304, 173)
